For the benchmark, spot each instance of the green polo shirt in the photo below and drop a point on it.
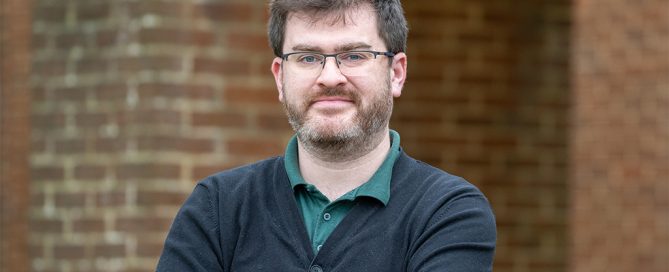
(322, 216)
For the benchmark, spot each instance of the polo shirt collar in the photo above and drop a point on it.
(378, 186)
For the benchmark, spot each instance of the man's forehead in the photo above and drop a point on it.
(339, 17)
(333, 32)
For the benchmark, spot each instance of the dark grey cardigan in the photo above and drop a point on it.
(246, 219)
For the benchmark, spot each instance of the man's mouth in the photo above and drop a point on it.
(332, 102)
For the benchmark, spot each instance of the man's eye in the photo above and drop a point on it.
(353, 57)
(308, 59)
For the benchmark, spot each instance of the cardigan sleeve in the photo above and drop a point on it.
(193, 242)
(460, 237)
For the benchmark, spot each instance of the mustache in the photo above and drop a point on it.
(334, 92)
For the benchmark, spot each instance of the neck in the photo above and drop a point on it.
(337, 177)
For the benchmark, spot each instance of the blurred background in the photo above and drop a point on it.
(111, 111)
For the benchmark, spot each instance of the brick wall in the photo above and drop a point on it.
(620, 139)
(15, 53)
(133, 102)
(487, 98)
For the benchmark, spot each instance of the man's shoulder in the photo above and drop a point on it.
(413, 174)
(246, 175)
(409, 167)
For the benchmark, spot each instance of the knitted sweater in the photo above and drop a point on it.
(246, 219)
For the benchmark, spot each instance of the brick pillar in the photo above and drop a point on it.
(487, 98)
(15, 23)
(620, 139)
(134, 102)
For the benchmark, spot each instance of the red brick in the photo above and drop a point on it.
(69, 252)
(76, 94)
(110, 199)
(221, 67)
(477, 78)
(143, 224)
(226, 12)
(418, 119)
(39, 40)
(48, 121)
(89, 172)
(107, 92)
(163, 9)
(146, 249)
(105, 38)
(70, 200)
(500, 142)
(169, 143)
(41, 173)
(475, 120)
(46, 225)
(152, 90)
(109, 251)
(91, 120)
(93, 11)
(174, 36)
(132, 65)
(278, 122)
(219, 119)
(248, 41)
(254, 147)
(148, 171)
(108, 145)
(473, 37)
(69, 40)
(149, 117)
(37, 199)
(472, 161)
(70, 146)
(152, 198)
(240, 94)
(50, 13)
(36, 251)
(92, 66)
(88, 225)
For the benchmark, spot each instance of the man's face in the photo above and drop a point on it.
(331, 107)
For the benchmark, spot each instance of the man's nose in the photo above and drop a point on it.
(331, 75)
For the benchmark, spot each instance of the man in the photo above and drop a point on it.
(345, 197)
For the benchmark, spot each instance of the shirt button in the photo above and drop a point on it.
(315, 268)
(327, 216)
(319, 247)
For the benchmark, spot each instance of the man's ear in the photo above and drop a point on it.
(398, 74)
(278, 76)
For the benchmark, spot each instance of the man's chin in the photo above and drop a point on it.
(341, 132)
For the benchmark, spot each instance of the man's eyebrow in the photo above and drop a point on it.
(340, 48)
(352, 46)
(305, 47)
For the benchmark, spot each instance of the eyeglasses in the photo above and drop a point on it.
(350, 63)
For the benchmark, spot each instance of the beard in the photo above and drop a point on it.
(340, 139)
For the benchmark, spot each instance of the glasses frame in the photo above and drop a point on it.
(335, 55)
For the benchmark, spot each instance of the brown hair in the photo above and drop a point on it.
(391, 24)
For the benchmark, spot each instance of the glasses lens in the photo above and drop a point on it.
(355, 63)
(306, 60)
(304, 64)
